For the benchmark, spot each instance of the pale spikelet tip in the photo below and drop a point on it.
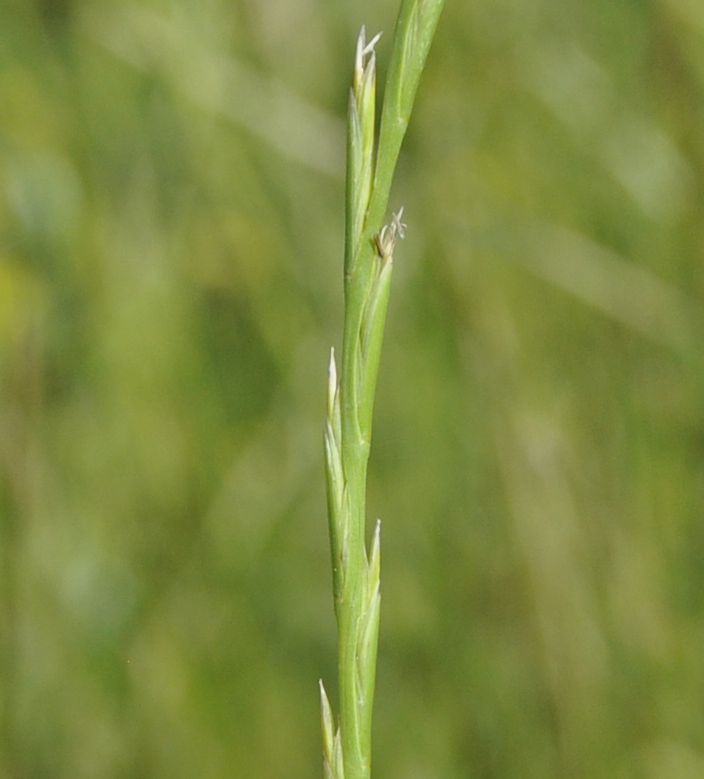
(390, 233)
(332, 382)
(375, 560)
(364, 49)
(327, 721)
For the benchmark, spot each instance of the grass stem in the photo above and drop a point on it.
(369, 250)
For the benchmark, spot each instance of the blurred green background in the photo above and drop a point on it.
(171, 200)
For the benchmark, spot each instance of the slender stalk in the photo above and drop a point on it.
(369, 249)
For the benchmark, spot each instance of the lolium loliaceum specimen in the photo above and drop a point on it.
(370, 241)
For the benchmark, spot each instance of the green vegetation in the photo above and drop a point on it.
(369, 249)
(171, 189)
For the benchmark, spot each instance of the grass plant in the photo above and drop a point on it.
(168, 283)
(369, 251)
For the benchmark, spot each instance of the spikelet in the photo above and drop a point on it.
(360, 141)
(333, 766)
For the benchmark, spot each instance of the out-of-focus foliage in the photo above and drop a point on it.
(170, 258)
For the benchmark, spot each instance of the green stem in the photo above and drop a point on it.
(368, 265)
